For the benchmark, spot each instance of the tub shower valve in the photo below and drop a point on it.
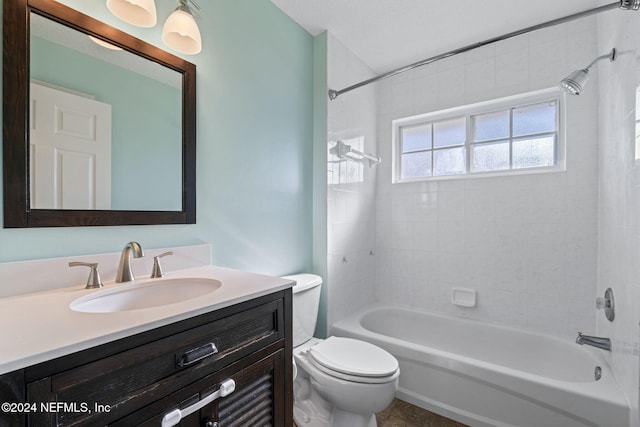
(607, 303)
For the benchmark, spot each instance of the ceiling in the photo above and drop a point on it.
(389, 34)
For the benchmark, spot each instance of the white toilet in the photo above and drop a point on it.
(338, 382)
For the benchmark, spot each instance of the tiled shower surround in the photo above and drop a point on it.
(619, 206)
(537, 248)
(526, 243)
(351, 215)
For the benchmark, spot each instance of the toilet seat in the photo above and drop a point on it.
(353, 360)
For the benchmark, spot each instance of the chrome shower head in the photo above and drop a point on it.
(575, 81)
(630, 4)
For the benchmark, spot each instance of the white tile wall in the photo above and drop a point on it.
(525, 243)
(619, 214)
(351, 215)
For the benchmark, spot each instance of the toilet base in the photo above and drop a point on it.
(306, 414)
(344, 419)
(310, 409)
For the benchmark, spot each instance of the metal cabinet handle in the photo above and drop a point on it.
(197, 354)
(93, 281)
(172, 418)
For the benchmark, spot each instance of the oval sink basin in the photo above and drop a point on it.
(135, 296)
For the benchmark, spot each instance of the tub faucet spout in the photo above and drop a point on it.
(124, 273)
(598, 342)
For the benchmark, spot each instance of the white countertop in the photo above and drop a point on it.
(40, 326)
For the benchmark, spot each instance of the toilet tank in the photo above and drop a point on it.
(306, 299)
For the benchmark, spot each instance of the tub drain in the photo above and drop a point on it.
(597, 373)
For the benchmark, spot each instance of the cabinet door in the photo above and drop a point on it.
(258, 398)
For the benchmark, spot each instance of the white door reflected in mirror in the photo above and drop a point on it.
(70, 143)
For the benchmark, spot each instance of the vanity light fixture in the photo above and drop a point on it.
(575, 81)
(180, 31)
(141, 13)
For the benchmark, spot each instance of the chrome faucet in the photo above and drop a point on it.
(598, 342)
(124, 273)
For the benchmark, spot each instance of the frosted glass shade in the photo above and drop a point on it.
(141, 13)
(181, 33)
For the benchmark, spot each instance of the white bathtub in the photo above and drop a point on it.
(485, 375)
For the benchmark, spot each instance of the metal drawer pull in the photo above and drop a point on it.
(172, 418)
(197, 354)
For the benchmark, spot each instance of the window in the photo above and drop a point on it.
(509, 135)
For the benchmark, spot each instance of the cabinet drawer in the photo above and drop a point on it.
(128, 380)
(256, 401)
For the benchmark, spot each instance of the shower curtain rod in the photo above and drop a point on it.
(623, 4)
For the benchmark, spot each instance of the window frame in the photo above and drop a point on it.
(467, 111)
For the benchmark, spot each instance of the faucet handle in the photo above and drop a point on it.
(93, 281)
(607, 303)
(157, 268)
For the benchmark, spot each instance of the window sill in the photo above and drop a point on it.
(490, 174)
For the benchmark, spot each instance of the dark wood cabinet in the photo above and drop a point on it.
(258, 381)
(139, 379)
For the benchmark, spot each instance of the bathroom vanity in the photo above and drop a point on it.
(229, 352)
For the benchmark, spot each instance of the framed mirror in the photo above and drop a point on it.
(98, 126)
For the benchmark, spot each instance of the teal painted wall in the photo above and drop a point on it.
(146, 124)
(254, 155)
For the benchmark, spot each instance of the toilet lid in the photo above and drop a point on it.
(354, 357)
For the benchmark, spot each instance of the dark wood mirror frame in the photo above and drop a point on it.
(16, 76)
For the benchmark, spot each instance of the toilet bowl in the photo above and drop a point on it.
(340, 382)
(348, 382)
